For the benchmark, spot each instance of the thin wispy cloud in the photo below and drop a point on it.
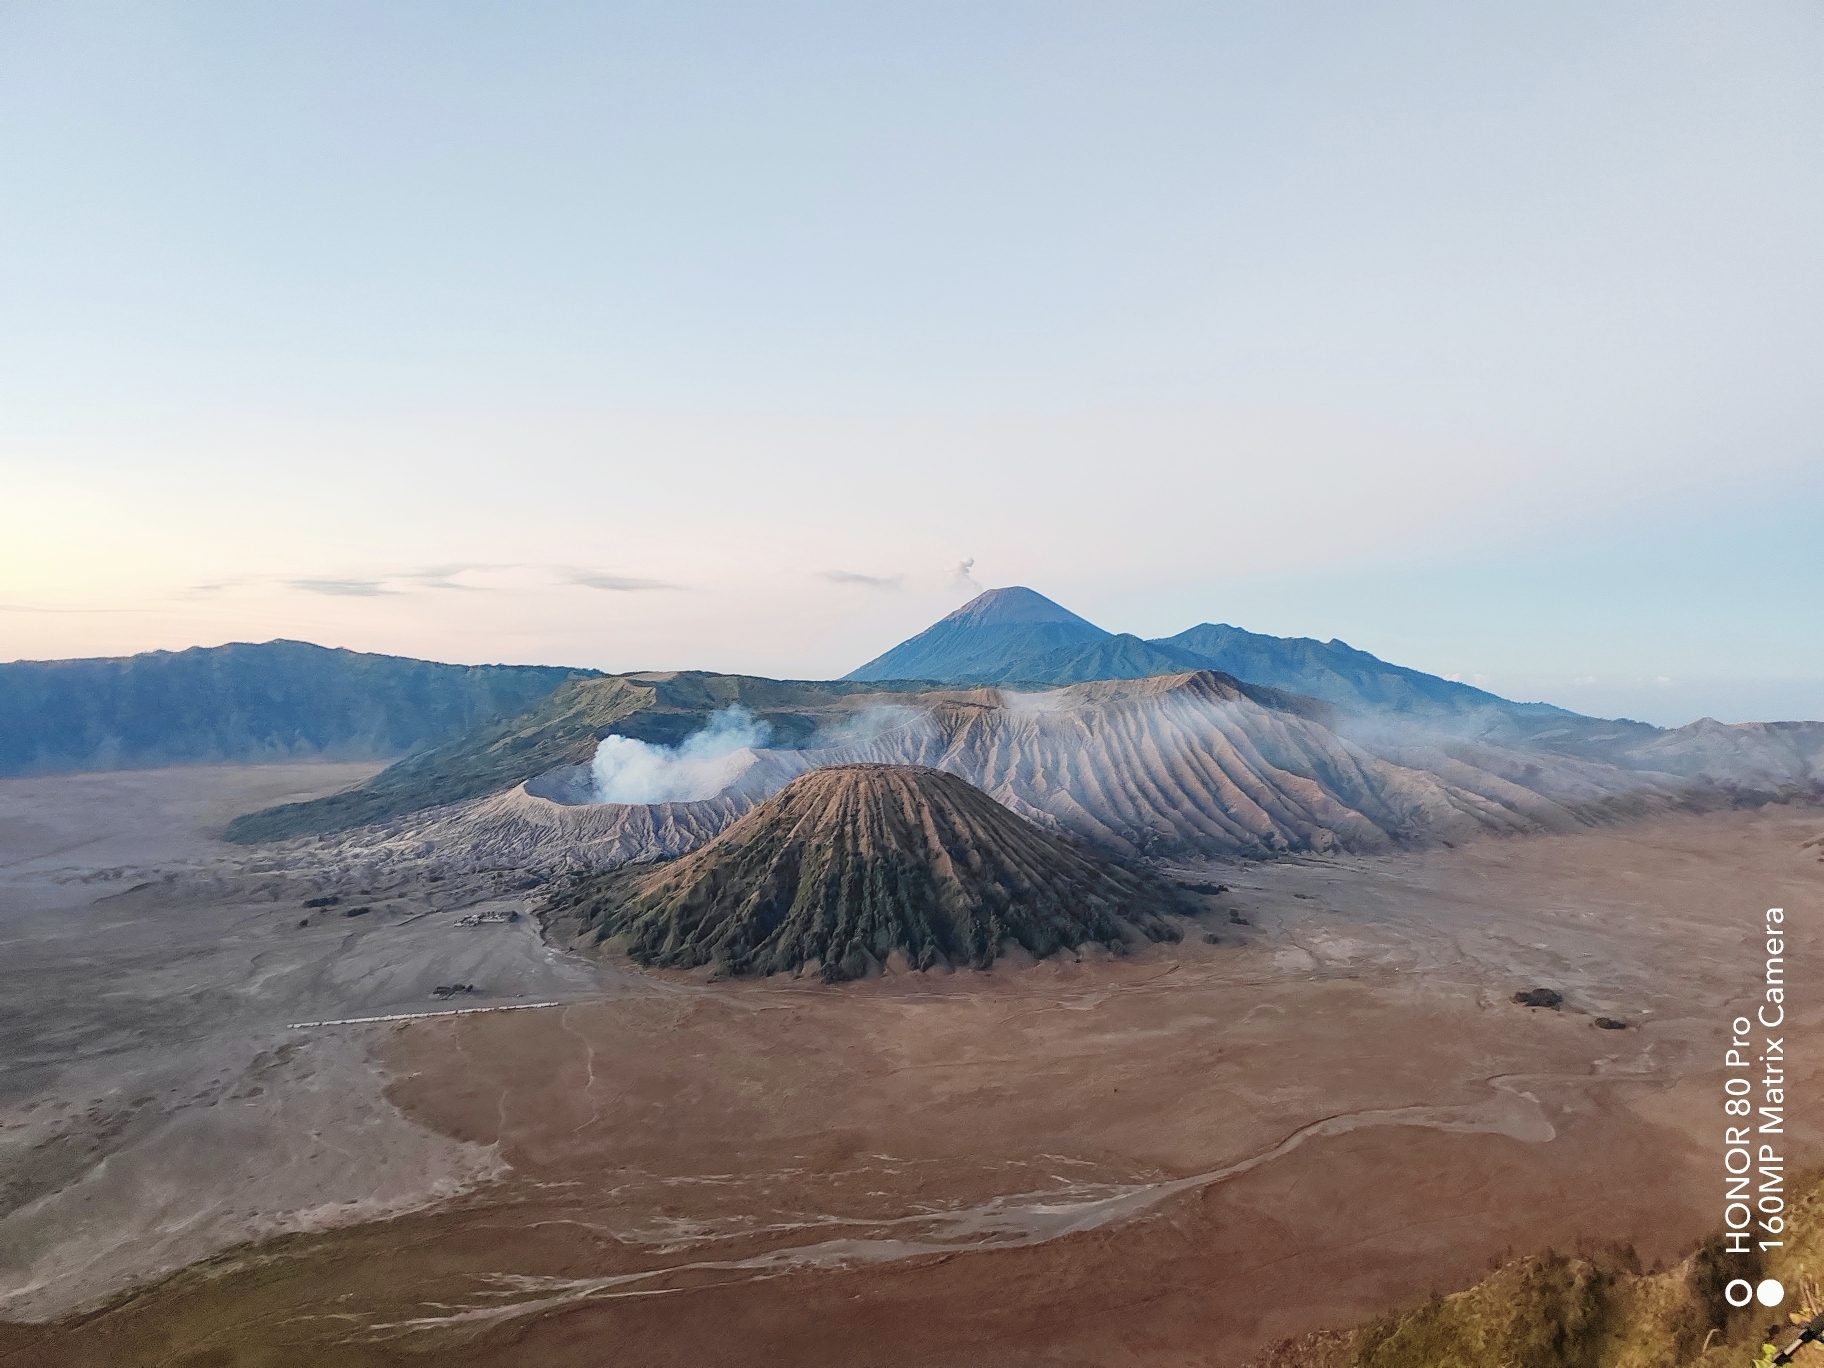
(620, 584)
(444, 576)
(341, 588)
(866, 581)
(217, 586)
(471, 577)
(36, 608)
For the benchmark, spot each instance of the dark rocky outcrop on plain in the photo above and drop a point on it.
(851, 865)
(1539, 997)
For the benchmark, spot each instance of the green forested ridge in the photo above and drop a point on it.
(662, 708)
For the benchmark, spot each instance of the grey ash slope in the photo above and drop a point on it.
(277, 700)
(1140, 747)
(1175, 765)
(850, 865)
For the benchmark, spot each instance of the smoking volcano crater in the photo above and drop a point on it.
(847, 865)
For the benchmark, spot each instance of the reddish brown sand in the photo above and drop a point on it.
(1068, 1163)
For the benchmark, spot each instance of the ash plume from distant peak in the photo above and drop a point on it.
(962, 577)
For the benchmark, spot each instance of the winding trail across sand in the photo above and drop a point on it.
(418, 1016)
(1005, 1222)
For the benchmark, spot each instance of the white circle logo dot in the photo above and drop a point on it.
(1770, 1293)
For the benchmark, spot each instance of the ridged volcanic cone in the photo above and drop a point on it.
(847, 864)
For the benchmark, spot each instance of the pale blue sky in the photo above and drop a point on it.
(1487, 338)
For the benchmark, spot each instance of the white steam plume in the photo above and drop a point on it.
(701, 766)
(1044, 701)
(864, 726)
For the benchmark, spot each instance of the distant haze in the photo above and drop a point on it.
(1485, 339)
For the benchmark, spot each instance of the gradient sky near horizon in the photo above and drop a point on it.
(1489, 339)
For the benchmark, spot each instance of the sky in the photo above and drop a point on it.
(1486, 338)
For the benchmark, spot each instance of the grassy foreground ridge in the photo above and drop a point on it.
(1595, 1309)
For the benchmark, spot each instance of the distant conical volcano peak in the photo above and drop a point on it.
(1014, 605)
(977, 641)
(849, 866)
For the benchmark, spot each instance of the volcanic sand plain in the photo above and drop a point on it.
(154, 1105)
(1172, 1157)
